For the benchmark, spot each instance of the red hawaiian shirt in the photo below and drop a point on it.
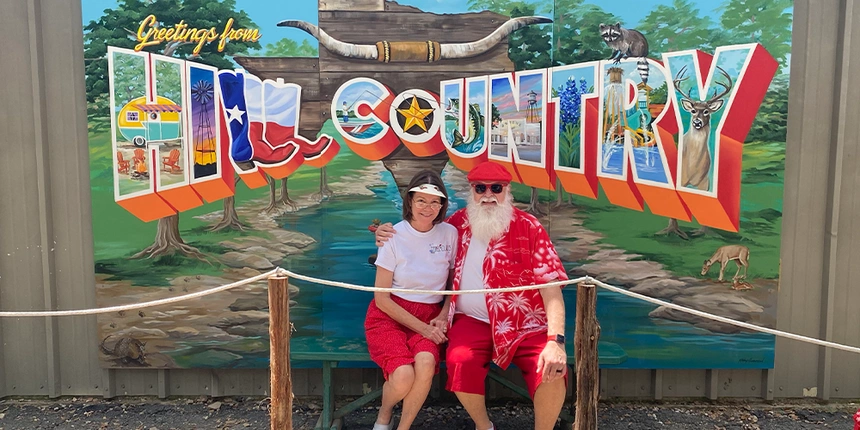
(523, 255)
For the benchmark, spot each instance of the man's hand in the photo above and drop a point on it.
(440, 322)
(383, 233)
(552, 362)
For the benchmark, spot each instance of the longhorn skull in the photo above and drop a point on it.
(424, 51)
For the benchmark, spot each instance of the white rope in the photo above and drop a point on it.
(140, 305)
(283, 272)
(723, 319)
(585, 279)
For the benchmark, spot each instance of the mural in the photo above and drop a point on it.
(648, 137)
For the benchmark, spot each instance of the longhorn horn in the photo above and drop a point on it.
(428, 51)
(349, 50)
(471, 49)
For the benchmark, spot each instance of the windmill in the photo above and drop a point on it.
(203, 92)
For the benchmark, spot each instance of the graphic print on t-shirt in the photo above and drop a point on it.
(440, 247)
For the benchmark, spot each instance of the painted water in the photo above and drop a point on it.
(343, 252)
(649, 165)
(344, 247)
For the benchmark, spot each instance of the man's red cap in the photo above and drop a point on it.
(488, 172)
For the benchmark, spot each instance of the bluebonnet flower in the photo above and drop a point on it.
(569, 98)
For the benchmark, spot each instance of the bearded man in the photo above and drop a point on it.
(502, 246)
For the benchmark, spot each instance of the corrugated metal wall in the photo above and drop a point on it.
(46, 250)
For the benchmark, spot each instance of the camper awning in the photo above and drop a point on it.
(159, 108)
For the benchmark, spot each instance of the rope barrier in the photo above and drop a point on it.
(283, 272)
(140, 305)
(435, 293)
(725, 320)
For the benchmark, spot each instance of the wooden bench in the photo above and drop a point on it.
(331, 352)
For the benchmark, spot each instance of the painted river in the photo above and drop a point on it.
(344, 245)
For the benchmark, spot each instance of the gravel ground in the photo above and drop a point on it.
(252, 413)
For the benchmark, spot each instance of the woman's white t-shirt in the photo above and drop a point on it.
(419, 260)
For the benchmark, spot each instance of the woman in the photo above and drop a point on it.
(404, 331)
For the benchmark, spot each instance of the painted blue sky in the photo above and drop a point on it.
(504, 99)
(266, 14)
(629, 15)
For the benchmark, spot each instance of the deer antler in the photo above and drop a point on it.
(726, 87)
(681, 77)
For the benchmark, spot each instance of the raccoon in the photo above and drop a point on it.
(627, 43)
(126, 349)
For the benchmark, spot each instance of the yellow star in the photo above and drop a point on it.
(415, 115)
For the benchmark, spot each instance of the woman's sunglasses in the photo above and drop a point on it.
(482, 188)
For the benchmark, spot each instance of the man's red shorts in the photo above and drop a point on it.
(470, 349)
(392, 344)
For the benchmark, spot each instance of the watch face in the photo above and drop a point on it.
(559, 338)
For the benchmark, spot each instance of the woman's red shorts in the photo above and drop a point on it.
(392, 344)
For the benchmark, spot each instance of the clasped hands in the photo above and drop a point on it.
(436, 330)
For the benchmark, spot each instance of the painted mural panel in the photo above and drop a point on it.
(648, 137)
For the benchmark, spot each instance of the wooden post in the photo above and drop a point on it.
(281, 414)
(585, 338)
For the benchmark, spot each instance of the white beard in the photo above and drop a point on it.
(489, 222)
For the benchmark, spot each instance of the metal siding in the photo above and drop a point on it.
(807, 164)
(684, 383)
(742, 383)
(626, 383)
(19, 216)
(71, 245)
(244, 381)
(136, 382)
(54, 102)
(846, 366)
(314, 377)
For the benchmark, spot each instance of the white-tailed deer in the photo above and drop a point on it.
(724, 254)
(695, 156)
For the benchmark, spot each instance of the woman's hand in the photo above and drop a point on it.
(435, 334)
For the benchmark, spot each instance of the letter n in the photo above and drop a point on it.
(517, 126)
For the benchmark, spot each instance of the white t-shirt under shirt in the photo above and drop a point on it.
(419, 260)
(474, 305)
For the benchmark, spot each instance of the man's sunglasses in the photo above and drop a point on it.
(495, 188)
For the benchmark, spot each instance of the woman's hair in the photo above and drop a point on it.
(420, 178)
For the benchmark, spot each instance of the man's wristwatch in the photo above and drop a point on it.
(556, 337)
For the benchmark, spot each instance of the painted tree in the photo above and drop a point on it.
(767, 22)
(129, 79)
(771, 122)
(118, 27)
(287, 47)
(575, 32)
(676, 28)
(505, 7)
